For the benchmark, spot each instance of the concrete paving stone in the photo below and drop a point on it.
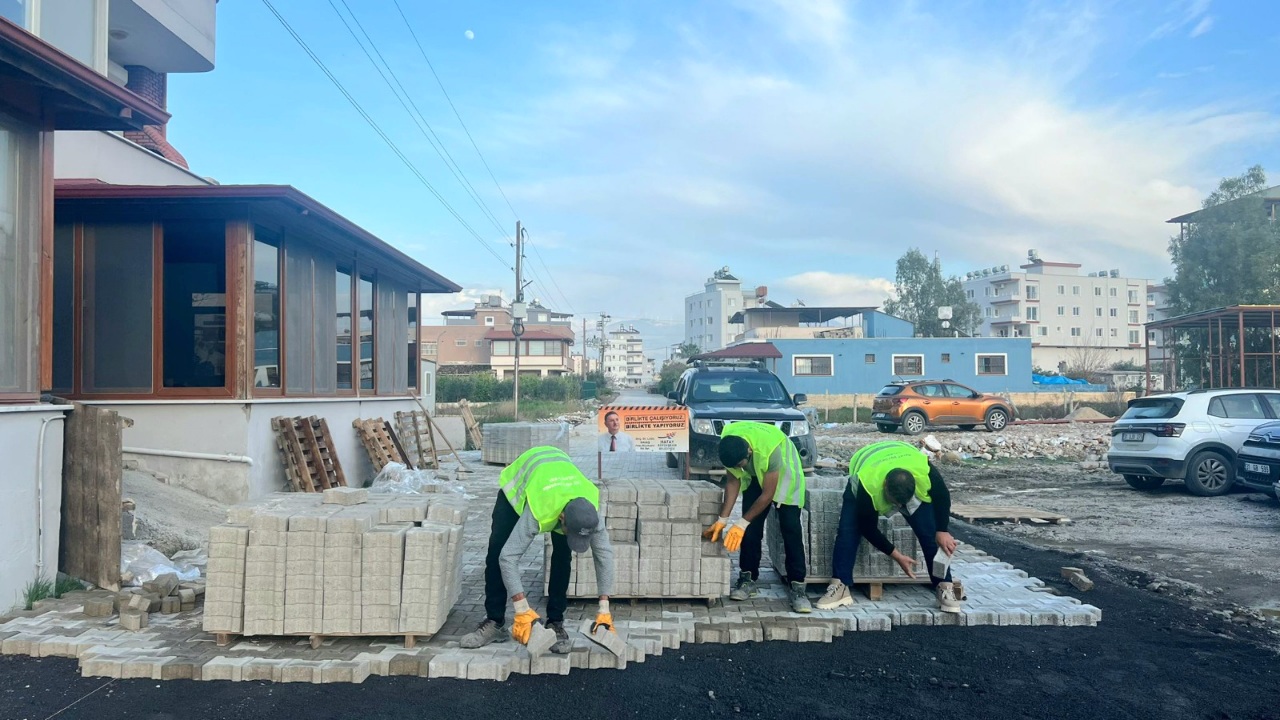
(300, 671)
(550, 664)
(176, 669)
(971, 618)
(875, 622)
(101, 667)
(1047, 618)
(224, 668)
(449, 665)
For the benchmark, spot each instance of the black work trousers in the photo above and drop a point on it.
(753, 538)
(495, 591)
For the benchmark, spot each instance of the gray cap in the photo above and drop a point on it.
(580, 521)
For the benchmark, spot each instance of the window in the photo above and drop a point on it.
(1097, 291)
(958, 391)
(19, 233)
(987, 311)
(16, 11)
(1062, 289)
(414, 359)
(869, 358)
(1115, 312)
(1244, 406)
(1097, 312)
(1273, 399)
(117, 348)
(968, 294)
(811, 365)
(992, 365)
(1043, 331)
(1033, 313)
(342, 327)
(480, 342)
(1115, 333)
(460, 342)
(489, 320)
(391, 329)
(1133, 297)
(502, 348)
(1133, 317)
(1075, 289)
(430, 349)
(986, 291)
(1075, 332)
(69, 25)
(64, 310)
(1133, 337)
(908, 365)
(194, 302)
(364, 298)
(1075, 311)
(946, 357)
(1098, 332)
(1033, 291)
(1062, 310)
(266, 310)
(1114, 292)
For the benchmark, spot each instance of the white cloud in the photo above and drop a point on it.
(1202, 27)
(433, 305)
(828, 288)
(1184, 13)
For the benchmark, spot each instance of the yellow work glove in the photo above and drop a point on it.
(733, 539)
(523, 625)
(712, 534)
(603, 618)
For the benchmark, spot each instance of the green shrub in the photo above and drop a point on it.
(486, 387)
(35, 591)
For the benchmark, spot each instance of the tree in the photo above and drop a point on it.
(922, 289)
(1230, 254)
(688, 350)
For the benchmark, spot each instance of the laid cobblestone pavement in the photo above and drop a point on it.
(175, 646)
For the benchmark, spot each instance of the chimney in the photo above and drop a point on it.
(154, 87)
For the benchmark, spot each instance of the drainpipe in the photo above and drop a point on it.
(44, 425)
(242, 459)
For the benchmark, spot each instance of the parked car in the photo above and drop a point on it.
(719, 394)
(1191, 436)
(917, 404)
(1258, 462)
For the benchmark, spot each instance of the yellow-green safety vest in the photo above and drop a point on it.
(873, 463)
(546, 480)
(763, 440)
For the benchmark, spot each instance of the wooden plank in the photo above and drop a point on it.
(417, 441)
(109, 473)
(70, 548)
(319, 473)
(331, 452)
(92, 469)
(291, 451)
(974, 513)
(395, 442)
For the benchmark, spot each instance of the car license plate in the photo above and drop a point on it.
(1131, 437)
(1257, 469)
(877, 415)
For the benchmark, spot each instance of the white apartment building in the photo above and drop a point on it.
(1091, 319)
(706, 314)
(624, 362)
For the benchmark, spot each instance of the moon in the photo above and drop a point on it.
(469, 35)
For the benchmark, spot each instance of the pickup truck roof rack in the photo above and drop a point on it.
(731, 363)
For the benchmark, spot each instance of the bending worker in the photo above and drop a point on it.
(767, 467)
(884, 478)
(542, 492)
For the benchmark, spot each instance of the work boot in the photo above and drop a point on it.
(745, 589)
(947, 598)
(800, 599)
(488, 632)
(837, 595)
(563, 643)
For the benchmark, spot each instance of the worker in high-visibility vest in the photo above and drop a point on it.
(769, 475)
(542, 492)
(884, 478)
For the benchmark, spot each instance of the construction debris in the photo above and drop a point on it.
(1077, 578)
(1083, 442)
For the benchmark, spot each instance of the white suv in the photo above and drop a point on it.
(1190, 436)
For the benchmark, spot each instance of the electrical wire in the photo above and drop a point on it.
(381, 133)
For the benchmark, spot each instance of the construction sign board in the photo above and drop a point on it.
(639, 428)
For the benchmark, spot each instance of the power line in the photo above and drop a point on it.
(456, 114)
(415, 114)
(538, 254)
(382, 134)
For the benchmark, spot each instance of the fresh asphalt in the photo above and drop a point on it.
(1151, 657)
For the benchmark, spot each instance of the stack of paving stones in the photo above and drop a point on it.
(820, 520)
(342, 563)
(655, 527)
(504, 442)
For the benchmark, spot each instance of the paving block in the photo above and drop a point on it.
(99, 607)
(299, 671)
(133, 619)
(540, 640)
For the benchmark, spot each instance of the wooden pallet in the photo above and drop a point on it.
(473, 427)
(381, 442)
(310, 462)
(421, 435)
(873, 588)
(1007, 513)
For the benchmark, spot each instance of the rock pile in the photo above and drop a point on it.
(1085, 443)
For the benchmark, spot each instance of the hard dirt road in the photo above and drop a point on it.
(1152, 657)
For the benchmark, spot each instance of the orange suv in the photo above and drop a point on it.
(914, 405)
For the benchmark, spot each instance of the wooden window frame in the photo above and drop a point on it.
(349, 269)
(267, 392)
(977, 364)
(829, 358)
(894, 364)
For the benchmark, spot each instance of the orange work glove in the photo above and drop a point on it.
(523, 625)
(733, 540)
(712, 534)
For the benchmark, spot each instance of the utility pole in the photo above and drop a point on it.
(603, 324)
(518, 312)
(584, 348)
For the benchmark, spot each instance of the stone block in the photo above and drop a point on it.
(163, 585)
(299, 671)
(99, 607)
(134, 619)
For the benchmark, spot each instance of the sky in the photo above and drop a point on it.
(806, 144)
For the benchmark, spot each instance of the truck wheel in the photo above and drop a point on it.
(1209, 474)
(997, 419)
(913, 423)
(1143, 482)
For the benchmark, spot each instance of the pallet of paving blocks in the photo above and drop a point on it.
(504, 442)
(821, 519)
(345, 562)
(655, 528)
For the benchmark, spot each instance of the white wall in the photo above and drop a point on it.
(99, 155)
(19, 530)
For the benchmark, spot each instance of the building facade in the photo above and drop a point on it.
(707, 315)
(1085, 321)
(479, 339)
(625, 364)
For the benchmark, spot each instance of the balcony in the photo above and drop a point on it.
(1000, 299)
(167, 36)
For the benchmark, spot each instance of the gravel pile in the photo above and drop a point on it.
(1085, 443)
